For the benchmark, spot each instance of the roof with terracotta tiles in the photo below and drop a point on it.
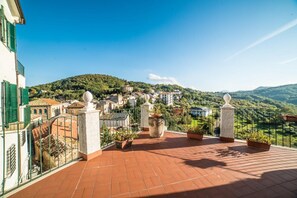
(76, 105)
(44, 102)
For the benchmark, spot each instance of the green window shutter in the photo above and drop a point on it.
(2, 25)
(27, 115)
(11, 35)
(24, 96)
(11, 103)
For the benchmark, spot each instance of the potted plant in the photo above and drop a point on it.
(156, 123)
(124, 138)
(259, 140)
(196, 132)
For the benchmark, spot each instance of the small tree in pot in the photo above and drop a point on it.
(259, 140)
(123, 138)
(156, 123)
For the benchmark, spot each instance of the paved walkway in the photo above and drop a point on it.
(173, 166)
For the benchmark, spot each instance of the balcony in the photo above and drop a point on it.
(21, 69)
(170, 166)
(174, 166)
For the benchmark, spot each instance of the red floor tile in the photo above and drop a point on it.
(173, 166)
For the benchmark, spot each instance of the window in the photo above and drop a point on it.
(40, 111)
(45, 111)
(11, 160)
(8, 32)
(35, 111)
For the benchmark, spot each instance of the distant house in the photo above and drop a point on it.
(115, 120)
(127, 88)
(132, 101)
(117, 98)
(167, 98)
(200, 111)
(75, 107)
(105, 106)
(46, 107)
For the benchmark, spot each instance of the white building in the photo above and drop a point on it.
(15, 112)
(132, 101)
(200, 111)
(115, 120)
(167, 98)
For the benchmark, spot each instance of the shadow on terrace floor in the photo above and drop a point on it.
(238, 151)
(282, 183)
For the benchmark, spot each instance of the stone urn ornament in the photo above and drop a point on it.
(156, 123)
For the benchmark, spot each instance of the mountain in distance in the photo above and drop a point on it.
(103, 85)
(284, 93)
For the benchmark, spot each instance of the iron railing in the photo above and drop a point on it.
(21, 68)
(246, 120)
(271, 123)
(182, 121)
(128, 119)
(29, 153)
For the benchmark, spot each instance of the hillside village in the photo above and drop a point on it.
(46, 108)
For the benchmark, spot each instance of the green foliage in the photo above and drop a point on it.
(105, 136)
(259, 137)
(104, 85)
(199, 129)
(124, 134)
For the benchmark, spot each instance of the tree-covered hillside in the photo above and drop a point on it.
(285, 93)
(103, 85)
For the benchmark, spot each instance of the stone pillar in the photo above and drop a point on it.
(145, 113)
(227, 120)
(89, 129)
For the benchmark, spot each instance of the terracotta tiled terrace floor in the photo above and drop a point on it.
(176, 167)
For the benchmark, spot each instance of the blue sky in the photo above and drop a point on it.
(210, 45)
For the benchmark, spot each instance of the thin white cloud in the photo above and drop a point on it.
(288, 61)
(163, 80)
(269, 36)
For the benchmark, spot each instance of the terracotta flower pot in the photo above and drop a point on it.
(263, 146)
(195, 136)
(123, 144)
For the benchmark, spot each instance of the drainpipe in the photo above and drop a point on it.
(18, 112)
(3, 131)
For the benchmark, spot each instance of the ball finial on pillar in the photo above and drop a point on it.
(227, 99)
(88, 97)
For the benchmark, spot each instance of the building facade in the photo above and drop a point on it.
(167, 98)
(200, 111)
(46, 108)
(15, 112)
(75, 107)
(115, 120)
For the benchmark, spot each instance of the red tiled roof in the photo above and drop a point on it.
(44, 101)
